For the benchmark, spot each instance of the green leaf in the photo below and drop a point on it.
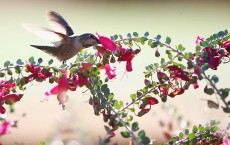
(115, 37)
(168, 40)
(50, 61)
(132, 109)
(121, 37)
(146, 34)
(141, 133)
(194, 129)
(188, 55)
(7, 63)
(133, 96)
(9, 72)
(215, 78)
(130, 118)
(210, 91)
(224, 92)
(112, 38)
(2, 74)
(162, 60)
(51, 80)
(40, 60)
(135, 126)
(125, 134)
(180, 47)
(186, 131)
(73, 70)
(158, 37)
(191, 136)
(42, 143)
(135, 34)
(181, 135)
(129, 35)
(19, 62)
(201, 129)
(31, 59)
(105, 89)
(17, 69)
(145, 140)
(111, 96)
(205, 67)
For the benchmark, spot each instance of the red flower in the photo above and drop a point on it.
(212, 57)
(152, 101)
(2, 109)
(60, 90)
(163, 90)
(5, 127)
(37, 73)
(107, 43)
(127, 55)
(12, 98)
(162, 77)
(6, 97)
(178, 73)
(176, 92)
(110, 72)
(112, 134)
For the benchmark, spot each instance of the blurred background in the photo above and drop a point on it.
(181, 20)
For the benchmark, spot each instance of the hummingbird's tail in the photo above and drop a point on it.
(52, 50)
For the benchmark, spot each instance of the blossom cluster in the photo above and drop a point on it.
(212, 56)
(8, 94)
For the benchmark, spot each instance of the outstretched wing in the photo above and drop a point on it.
(46, 34)
(58, 23)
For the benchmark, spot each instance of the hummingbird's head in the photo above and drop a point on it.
(88, 40)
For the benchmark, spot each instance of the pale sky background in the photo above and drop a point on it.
(181, 20)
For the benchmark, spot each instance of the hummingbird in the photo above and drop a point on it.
(65, 45)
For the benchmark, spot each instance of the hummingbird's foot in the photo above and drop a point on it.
(64, 61)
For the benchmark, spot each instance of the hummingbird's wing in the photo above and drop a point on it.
(49, 35)
(59, 24)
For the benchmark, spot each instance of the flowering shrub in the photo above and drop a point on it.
(169, 78)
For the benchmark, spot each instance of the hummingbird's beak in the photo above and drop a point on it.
(98, 41)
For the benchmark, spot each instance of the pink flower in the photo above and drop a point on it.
(199, 38)
(110, 72)
(5, 127)
(196, 85)
(226, 45)
(226, 141)
(107, 43)
(60, 90)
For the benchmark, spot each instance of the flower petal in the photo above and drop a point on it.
(198, 38)
(5, 127)
(107, 43)
(129, 66)
(12, 98)
(110, 72)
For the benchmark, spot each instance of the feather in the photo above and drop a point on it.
(45, 33)
(59, 24)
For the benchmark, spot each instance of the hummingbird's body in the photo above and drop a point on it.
(65, 45)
